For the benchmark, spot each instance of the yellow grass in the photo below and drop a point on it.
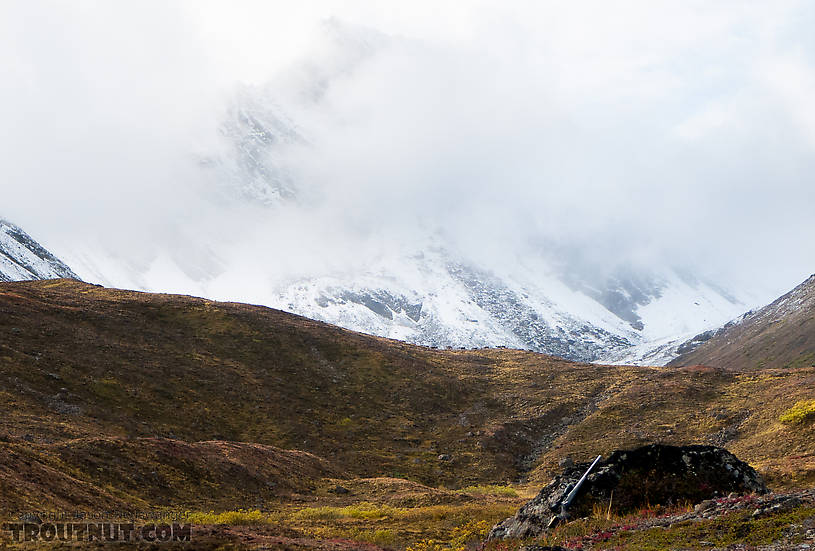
(802, 411)
(490, 490)
(231, 518)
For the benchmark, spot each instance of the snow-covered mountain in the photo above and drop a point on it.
(453, 304)
(22, 258)
(261, 247)
(255, 130)
(430, 297)
(437, 298)
(433, 300)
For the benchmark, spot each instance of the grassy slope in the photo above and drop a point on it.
(80, 363)
(119, 474)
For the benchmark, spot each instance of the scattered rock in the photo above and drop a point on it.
(60, 406)
(340, 490)
(781, 505)
(566, 463)
(723, 507)
(445, 457)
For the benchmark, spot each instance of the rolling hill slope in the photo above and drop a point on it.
(106, 386)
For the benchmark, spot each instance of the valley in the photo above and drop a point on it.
(129, 401)
(494, 275)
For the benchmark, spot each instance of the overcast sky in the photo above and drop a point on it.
(612, 133)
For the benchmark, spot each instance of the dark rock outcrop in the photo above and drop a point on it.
(629, 479)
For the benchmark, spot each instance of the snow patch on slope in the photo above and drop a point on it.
(22, 258)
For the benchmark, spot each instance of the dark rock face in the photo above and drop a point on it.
(654, 474)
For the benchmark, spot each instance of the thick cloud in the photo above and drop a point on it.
(599, 134)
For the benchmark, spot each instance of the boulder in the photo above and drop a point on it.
(630, 479)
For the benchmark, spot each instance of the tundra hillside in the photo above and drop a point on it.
(132, 400)
(79, 361)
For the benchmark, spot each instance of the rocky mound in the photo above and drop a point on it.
(630, 479)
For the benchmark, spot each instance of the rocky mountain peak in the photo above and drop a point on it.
(22, 258)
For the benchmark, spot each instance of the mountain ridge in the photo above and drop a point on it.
(21, 257)
(781, 334)
(438, 298)
(431, 298)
